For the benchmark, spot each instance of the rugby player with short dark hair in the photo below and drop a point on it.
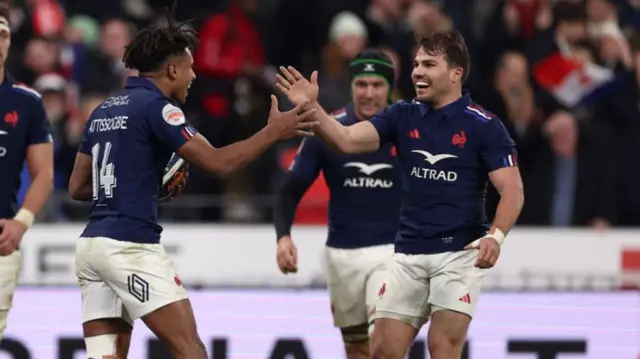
(449, 148)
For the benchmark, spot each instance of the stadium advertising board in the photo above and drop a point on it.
(245, 256)
(45, 324)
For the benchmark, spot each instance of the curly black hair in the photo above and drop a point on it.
(153, 45)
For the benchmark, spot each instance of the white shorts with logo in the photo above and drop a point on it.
(418, 285)
(123, 279)
(9, 273)
(354, 277)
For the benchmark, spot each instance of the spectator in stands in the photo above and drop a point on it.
(228, 93)
(425, 17)
(512, 97)
(387, 24)
(103, 70)
(53, 87)
(41, 56)
(572, 182)
(347, 37)
(621, 110)
(569, 30)
(604, 30)
(513, 24)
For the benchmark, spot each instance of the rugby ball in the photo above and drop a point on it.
(175, 171)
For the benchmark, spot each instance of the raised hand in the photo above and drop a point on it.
(296, 122)
(296, 87)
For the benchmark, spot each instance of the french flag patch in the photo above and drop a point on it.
(338, 114)
(479, 113)
(188, 132)
(510, 161)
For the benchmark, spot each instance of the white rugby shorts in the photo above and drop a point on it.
(123, 279)
(9, 273)
(418, 285)
(354, 277)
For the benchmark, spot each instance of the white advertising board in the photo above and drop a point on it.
(218, 255)
(45, 324)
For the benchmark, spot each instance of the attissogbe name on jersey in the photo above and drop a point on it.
(116, 101)
(367, 182)
(433, 174)
(109, 124)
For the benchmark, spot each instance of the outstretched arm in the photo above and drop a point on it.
(193, 147)
(359, 138)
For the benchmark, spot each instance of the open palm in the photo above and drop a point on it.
(297, 88)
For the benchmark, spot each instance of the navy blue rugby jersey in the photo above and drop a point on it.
(23, 123)
(130, 137)
(446, 156)
(365, 189)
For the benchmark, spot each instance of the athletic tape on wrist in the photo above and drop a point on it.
(498, 235)
(25, 217)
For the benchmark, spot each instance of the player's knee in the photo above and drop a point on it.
(443, 347)
(188, 345)
(381, 348)
(379, 351)
(102, 346)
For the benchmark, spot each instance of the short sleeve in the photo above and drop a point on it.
(169, 124)
(85, 144)
(307, 162)
(39, 126)
(498, 149)
(386, 123)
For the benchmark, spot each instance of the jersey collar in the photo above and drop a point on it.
(135, 81)
(450, 109)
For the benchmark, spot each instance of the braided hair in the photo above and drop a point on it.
(153, 45)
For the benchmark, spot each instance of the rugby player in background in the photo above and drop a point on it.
(449, 147)
(24, 135)
(123, 270)
(363, 209)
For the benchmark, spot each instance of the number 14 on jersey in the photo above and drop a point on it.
(104, 177)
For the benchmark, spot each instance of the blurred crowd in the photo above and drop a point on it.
(564, 76)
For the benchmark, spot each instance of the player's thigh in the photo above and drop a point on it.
(404, 291)
(377, 274)
(402, 307)
(98, 299)
(175, 325)
(9, 273)
(346, 279)
(106, 324)
(455, 289)
(141, 275)
(145, 279)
